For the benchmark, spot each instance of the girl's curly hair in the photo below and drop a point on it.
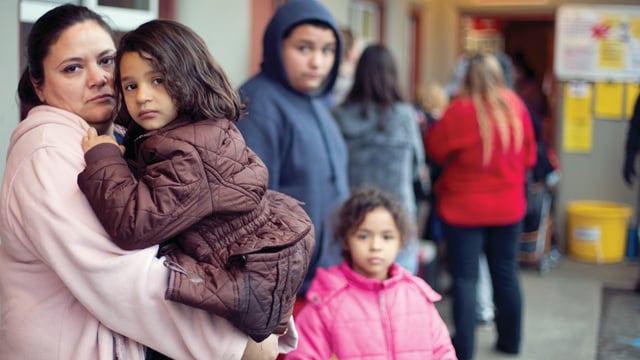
(362, 201)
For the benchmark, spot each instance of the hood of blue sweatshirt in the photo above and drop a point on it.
(287, 16)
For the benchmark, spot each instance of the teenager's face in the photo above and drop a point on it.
(308, 54)
(78, 73)
(375, 244)
(145, 95)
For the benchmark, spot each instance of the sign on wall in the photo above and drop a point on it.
(597, 42)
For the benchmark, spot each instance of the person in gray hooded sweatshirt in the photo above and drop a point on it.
(289, 124)
(383, 138)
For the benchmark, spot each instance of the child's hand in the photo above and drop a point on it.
(266, 350)
(92, 139)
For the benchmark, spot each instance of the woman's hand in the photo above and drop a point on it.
(92, 139)
(266, 350)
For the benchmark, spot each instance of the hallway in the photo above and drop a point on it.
(561, 311)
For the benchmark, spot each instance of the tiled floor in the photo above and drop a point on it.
(561, 310)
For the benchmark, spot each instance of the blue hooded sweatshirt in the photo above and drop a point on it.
(295, 134)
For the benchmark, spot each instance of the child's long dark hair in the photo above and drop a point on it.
(362, 201)
(193, 79)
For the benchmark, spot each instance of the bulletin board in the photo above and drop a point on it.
(597, 42)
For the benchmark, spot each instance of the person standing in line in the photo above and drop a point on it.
(632, 146)
(196, 184)
(368, 306)
(352, 50)
(485, 144)
(290, 126)
(431, 102)
(383, 136)
(67, 291)
(485, 309)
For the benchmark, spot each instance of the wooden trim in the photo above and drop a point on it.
(415, 73)
(381, 10)
(261, 13)
(167, 9)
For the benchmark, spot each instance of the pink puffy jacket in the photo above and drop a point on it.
(352, 317)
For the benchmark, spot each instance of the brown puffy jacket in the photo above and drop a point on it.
(239, 250)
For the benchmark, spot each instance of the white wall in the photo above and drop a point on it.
(9, 63)
(224, 26)
(339, 9)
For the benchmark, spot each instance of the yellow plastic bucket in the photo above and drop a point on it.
(597, 230)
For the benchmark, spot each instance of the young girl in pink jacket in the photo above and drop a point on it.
(368, 306)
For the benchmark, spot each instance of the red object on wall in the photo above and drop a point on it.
(485, 24)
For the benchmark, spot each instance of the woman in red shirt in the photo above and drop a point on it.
(485, 143)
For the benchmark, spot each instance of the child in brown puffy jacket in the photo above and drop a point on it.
(235, 248)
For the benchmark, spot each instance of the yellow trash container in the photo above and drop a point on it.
(597, 230)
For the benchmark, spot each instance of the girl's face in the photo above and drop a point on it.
(145, 95)
(308, 53)
(375, 244)
(78, 74)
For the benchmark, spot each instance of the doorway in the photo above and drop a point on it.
(530, 44)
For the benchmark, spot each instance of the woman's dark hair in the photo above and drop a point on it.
(44, 33)
(193, 79)
(362, 201)
(375, 81)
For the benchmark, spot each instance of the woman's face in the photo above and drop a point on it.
(78, 73)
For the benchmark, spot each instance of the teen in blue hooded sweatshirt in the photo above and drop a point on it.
(289, 124)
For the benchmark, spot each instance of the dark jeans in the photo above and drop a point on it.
(500, 244)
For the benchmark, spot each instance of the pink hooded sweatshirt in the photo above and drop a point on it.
(352, 317)
(66, 290)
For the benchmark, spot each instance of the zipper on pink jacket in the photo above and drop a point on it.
(386, 326)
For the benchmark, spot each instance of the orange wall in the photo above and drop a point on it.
(261, 11)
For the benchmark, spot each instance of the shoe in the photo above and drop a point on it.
(504, 350)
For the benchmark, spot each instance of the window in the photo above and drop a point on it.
(122, 15)
(125, 14)
(366, 20)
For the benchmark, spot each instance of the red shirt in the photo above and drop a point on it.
(469, 192)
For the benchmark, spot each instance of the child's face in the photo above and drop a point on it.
(308, 54)
(145, 95)
(375, 244)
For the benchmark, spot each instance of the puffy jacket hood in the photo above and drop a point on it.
(292, 13)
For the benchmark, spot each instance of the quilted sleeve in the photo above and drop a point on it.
(171, 195)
